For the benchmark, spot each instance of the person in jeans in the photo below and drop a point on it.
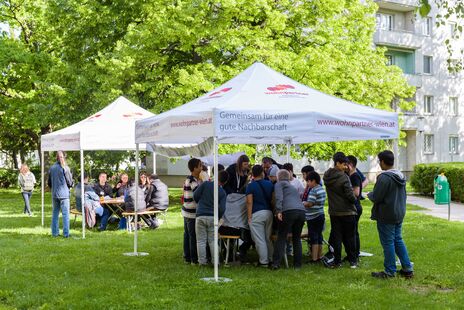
(357, 185)
(60, 181)
(389, 209)
(315, 217)
(342, 212)
(189, 209)
(259, 212)
(204, 222)
(290, 218)
(26, 181)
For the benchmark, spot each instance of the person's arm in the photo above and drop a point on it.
(279, 196)
(249, 204)
(356, 191)
(222, 202)
(49, 181)
(198, 192)
(379, 192)
(20, 181)
(310, 201)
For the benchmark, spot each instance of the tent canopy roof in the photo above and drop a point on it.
(262, 106)
(111, 128)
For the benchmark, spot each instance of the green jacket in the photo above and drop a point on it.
(339, 192)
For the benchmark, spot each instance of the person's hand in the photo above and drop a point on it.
(249, 220)
(279, 216)
(118, 185)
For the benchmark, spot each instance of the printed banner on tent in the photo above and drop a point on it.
(68, 142)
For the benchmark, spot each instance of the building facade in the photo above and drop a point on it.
(435, 127)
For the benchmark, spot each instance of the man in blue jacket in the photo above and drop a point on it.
(389, 198)
(60, 181)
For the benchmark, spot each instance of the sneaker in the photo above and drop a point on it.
(382, 275)
(406, 274)
(275, 267)
(258, 264)
(314, 262)
(333, 265)
(353, 265)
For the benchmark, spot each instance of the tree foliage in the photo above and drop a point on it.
(73, 57)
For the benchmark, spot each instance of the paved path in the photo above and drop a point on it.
(441, 211)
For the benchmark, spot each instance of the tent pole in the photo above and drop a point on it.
(396, 152)
(288, 151)
(154, 163)
(82, 193)
(42, 177)
(216, 211)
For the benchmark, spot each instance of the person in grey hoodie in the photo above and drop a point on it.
(389, 209)
(342, 212)
(290, 218)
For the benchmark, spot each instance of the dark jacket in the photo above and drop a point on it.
(389, 197)
(158, 195)
(204, 197)
(231, 186)
(104, 190)
(339, 192)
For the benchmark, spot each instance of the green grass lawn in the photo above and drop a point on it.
(41, 272)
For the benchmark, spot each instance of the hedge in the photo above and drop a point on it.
(424, 175)
(9, 177)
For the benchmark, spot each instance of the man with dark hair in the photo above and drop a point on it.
(189, 209)
(342, 212)
(356, 184)
(389, 209)
(204, 222)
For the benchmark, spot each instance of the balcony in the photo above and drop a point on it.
(414, 79)
(398, 38)
(398, 5)
(412, 121)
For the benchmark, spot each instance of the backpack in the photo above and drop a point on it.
(28, 182)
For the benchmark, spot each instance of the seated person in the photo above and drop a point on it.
(102, 188)
(122, 186)
(92, 205)
(130, 196)
(150, 192)
(204, 221)
(158, 198)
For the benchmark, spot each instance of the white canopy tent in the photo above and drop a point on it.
(262, 106)
(111, 128)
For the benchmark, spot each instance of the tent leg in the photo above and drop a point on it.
(43, 187)
(154, 162)
(82, 194)
(216, 220)
(288, 151)
(137, 188)
(396, 152)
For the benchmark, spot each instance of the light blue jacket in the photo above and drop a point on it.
(57, 176)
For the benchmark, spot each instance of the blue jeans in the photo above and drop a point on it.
(190, 241)
(392, 243)
(63, 205)
(27, 202)
(104, 219)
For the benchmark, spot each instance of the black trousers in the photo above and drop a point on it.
(292, 222)
(343, 230)
(245, 236)
(358, 243)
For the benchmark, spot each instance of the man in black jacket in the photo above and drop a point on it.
(389, 198)
(342, 212)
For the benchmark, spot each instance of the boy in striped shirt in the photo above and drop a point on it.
(315, 217)
(189, 209)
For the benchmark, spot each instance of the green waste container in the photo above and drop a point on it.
(442, 190)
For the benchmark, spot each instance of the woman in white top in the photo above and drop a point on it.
(26, 180)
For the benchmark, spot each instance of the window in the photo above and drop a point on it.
(385, 21)
(390, 60)
(428, 104)
(427, 31)
(428, 62)
(454, 106)
(428, 144)
(453, 144)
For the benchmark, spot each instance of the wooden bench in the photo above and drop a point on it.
(227, 242)
(75, 212)
(130, 216)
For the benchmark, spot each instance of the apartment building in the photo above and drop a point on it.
(435, 127)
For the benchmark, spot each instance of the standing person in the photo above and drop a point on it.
(270, 167)
(204, 222)
(259, 212)
(60, 181)
(238, 175)
(26, 181)
(290, 218)
(189, 209)
(389, 209)
(315, 217)
(342, 212)
(357, 185)
(294, 180)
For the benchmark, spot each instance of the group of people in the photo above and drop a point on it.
(267, 206)
(153, 195)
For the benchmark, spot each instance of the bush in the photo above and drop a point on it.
(424, 175)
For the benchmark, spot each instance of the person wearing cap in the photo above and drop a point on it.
(342, 212)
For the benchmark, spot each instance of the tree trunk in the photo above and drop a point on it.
(15, 159)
